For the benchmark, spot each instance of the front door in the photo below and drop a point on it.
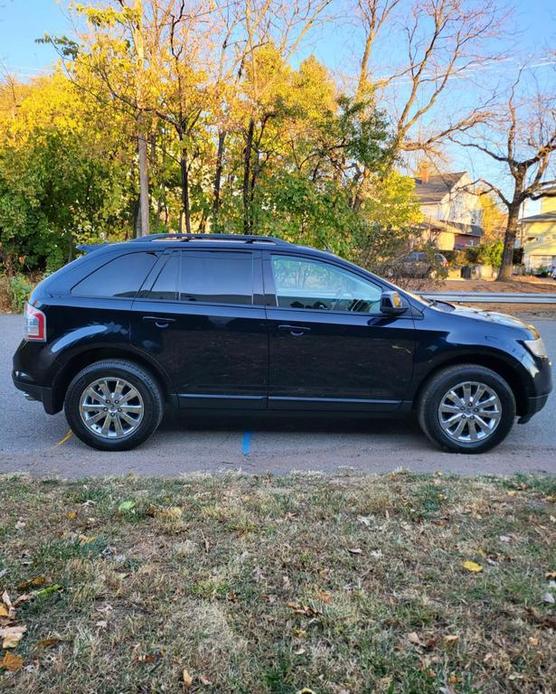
(330, 348)
(199, 319)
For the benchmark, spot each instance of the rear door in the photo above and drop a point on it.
(202, 318)
(330, 347)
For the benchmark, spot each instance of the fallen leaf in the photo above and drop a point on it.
(11, 662)
(35, 582)
(11, 636)
(550, 575)
(205, 681)
(54, 588)
(355, 550)
(49, 642)
(128, 505)
(24, 597)
(451, 638)
(71, 515)
(413, 638)
(548, 598)
(305, 690)
(533, 641)
(7, 607)
(186, 679)
(472, 566)
(305, 610)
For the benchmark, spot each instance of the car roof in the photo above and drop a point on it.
(157, 242)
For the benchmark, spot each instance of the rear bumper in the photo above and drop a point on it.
(23, 382)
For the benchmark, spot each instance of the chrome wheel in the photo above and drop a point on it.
(111, 407)
(469, 412)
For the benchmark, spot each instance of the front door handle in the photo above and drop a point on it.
(295, 330)
(160, 321)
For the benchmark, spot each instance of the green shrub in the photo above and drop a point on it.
(19, 290)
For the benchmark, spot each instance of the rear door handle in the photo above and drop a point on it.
(295, 330)
(160, 321)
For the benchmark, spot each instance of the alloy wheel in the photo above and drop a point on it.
(470, 411)
(111, 407)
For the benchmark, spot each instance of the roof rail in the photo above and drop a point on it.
(245, 238)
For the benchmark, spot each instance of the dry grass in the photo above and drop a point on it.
(263, 584)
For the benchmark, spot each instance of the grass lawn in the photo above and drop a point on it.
(393, 583)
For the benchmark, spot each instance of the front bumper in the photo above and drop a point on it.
(22, 381)
(534, 404)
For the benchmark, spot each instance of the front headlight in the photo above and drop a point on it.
(536, 347)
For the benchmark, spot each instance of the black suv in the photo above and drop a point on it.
(256, 323)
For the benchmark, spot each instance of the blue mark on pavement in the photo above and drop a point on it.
(246, 443)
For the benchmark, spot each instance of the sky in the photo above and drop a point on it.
(534, 34)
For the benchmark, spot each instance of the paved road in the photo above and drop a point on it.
(35, 443)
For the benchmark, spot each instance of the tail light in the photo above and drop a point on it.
(35, 324)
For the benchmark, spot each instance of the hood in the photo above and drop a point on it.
(493, 317)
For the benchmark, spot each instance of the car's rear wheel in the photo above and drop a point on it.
(113, 405)
(467, 409)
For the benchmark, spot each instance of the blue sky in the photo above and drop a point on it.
(534, 35)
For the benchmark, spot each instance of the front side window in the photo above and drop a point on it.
(121, 277)
(217, 277)
(311, 284)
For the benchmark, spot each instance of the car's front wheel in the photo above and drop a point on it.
(113, 405)
(467, 409)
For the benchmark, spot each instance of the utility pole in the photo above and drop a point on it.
(141, 135)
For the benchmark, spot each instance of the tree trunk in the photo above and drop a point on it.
(143, 182)
(247, 178)
(505, 271)
(218, 180)
(185, 185)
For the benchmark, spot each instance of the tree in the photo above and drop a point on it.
(442, 41)
(522, 140)
(61, 181)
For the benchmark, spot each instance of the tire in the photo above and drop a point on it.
(139, 401)
(486, 422)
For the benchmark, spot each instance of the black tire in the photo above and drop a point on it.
(439, 385)
(135, 375)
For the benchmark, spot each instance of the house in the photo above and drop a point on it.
(537, 233)
(452, 214)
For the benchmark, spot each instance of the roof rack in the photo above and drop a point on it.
(242, 238)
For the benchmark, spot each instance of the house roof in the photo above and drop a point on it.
(436, 187)
(543, 217)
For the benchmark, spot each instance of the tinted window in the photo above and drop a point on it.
(121, 277)
(311, 284)
(223, 278)
(165, 285)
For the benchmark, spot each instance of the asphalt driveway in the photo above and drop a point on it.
(35, 443)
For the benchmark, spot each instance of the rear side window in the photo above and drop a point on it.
(214, 277)
(121, 277)
(165, 286)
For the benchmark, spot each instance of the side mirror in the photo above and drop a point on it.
(392, 304)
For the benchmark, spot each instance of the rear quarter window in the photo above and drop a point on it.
(121, 277)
